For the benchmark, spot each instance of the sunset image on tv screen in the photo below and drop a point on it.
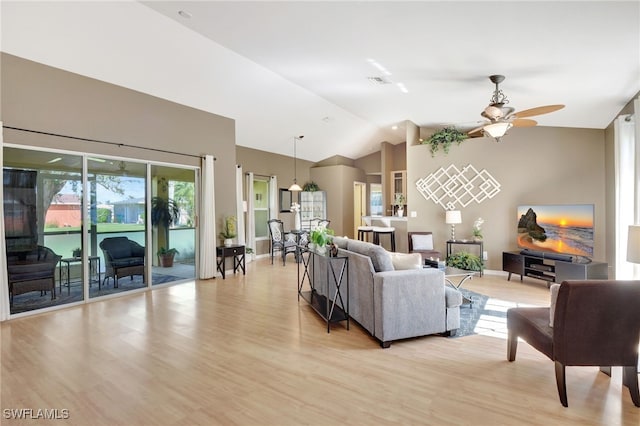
(564, 229)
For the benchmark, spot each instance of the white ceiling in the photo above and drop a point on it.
(296, 67)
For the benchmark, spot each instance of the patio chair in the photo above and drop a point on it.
(123, 258)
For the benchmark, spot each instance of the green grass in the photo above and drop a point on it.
(102, 227)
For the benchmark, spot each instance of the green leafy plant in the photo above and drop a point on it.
(310, 187)
(464, 260)
(444, 138)
(399, 199)
(229, 229)
(77, 252)
(167, 252)
(321, 236)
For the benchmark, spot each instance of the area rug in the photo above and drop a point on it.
(34, 300)
(486, 315)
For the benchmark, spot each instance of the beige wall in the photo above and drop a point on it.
(535, 165)
(337, 181)
(42, 98)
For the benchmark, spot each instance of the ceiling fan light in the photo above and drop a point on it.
(493, 112)
(497, 130)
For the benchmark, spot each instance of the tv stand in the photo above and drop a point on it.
(551, 267)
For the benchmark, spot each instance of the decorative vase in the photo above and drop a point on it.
(228, 242)
(321, 249)
(400, 212)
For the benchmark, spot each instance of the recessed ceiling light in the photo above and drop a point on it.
(184, 14)
(394, 127)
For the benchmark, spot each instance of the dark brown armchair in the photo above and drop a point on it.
(123, 257)
(33, 270)
(595, 323)
(422, 242)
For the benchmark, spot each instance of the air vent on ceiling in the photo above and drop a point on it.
(379, 80)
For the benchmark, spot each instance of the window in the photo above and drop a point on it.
(261, 207)
(375, 198)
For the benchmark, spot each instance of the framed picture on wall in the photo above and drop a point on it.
(285, 200)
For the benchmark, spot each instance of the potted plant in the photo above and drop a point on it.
(399, 202)
(165, 256)
(229, 230)
(77, 252)
(320, 237)
(444, 138)
(464, 260)
(477, 229)
(164, 213)
(310, 187)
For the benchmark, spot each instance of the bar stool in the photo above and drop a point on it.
(385, 230)
(364, 231)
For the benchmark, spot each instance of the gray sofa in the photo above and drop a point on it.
(391, 304)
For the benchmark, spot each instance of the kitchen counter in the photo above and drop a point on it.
(399, 223)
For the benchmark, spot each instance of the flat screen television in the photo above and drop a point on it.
(562, 229)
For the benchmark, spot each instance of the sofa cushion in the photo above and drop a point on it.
(422, 242)
(341, 242)
(380, 258)
(403, 261)
(360, 247)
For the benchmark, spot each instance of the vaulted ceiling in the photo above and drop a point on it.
(344, 73)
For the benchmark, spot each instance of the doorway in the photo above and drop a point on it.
(359, 205)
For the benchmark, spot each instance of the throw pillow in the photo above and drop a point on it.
(554, 297)
(380, 258)
(422, 242)
(402, 261)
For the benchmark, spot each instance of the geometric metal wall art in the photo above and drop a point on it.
(452, 187)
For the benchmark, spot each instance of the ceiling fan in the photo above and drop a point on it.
(501, 118)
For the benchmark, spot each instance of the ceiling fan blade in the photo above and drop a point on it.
(477, 132)
(538, 111)
(523, 122)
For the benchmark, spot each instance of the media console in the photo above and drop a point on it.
(552, 268)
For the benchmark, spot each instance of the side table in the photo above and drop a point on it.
(237, 252)
(65, 270)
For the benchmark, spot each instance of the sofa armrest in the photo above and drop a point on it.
(409, 303)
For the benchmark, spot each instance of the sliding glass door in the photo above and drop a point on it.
(173, 223)
(137, 229)
(43, 228)
(117, 227)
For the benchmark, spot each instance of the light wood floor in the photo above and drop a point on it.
(244, 351)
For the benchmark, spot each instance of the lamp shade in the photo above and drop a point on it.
(295, 188)
(453, 216)
(633, 244)
(497, 130)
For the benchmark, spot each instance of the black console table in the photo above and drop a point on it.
(479, 244)
(337, 274)
(552, 268)
(237, 252)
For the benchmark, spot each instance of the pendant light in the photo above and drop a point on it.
(295, 187)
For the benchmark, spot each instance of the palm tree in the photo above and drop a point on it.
(164, 213)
